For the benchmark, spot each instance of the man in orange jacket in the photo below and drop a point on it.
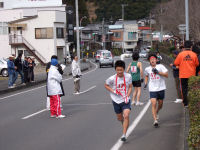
(187, 62)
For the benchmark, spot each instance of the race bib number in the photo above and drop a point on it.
(134, 69)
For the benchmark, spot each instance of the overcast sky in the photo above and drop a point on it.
(30, 3)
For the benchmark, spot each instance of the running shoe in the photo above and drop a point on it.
(133, 103)
(157, 117)
(123, 138)
(61, 116)
(155, 123)
(53, 116)
(139, 103)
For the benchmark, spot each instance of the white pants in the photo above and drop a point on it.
(48, 103)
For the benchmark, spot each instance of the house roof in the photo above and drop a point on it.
(115, 27)
(120, 22)
(144, 28)
(22, 19)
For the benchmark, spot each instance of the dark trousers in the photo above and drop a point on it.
(26, 76)
(184, 90)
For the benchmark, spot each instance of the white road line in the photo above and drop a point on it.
(88, 89)
(87, 104)
(119, 143)
(34, 114)
(44, 85)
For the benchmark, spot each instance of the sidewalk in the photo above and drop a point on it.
(40, 77)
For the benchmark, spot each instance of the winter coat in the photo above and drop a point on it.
(53, 82)
(76, 70)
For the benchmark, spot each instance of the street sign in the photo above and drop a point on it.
(182, 27)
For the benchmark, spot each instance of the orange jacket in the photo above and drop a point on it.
(187, 62)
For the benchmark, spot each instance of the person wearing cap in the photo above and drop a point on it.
(155, 74)
(61, 71)
(187, 62)
(11, 71)
(54, 89)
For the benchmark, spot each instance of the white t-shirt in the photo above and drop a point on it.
(111, 81)
(156, 82)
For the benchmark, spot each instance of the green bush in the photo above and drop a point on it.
(117, 51)
(194, 112)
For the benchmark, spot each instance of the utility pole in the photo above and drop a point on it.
(187, 19)
(103, 35)
(161, 28)
(123, 5)
(151, 30)
(77, 32)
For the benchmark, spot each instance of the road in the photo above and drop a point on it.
(90, 123)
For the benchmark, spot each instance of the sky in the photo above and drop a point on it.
(30, 3)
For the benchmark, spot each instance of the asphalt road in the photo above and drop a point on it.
(91, 123)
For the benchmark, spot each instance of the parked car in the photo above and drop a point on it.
(106, 59)
(3, 68)
(97, 55)
(128, 54)
(143, 54)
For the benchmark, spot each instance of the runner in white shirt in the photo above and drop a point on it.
(120, 88)
(155, 73)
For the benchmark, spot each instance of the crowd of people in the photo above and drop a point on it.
(24, 68)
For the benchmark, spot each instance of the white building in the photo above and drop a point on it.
(38, 32)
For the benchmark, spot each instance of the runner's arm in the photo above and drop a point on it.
(109, 88)
(127, 70)
(129, 90)
(146, 80)
(164, 74)
(141, 70)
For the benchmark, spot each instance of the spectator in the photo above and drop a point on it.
(60, 69)
(11, 72)
(33, 66)
(76, 73)
(30, 70)
(159, 57)
(25, 69)
(19, 65)
(187, 62)
(54, 89)
(176, 75)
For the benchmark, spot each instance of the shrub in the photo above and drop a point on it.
(194, 112)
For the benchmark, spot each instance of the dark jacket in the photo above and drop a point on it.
(18, 64)
(25, 65)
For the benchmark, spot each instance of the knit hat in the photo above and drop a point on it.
(175, 52)
(54, 62)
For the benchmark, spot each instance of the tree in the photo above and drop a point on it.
(173, 14)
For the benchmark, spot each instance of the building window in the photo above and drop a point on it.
(1, 5)
(117, 34)
(3, 28)
(43, 33)
(132, 35)
(59, 32)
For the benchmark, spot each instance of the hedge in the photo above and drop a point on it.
(194, 113)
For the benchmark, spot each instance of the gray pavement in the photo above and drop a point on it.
(91, 123)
